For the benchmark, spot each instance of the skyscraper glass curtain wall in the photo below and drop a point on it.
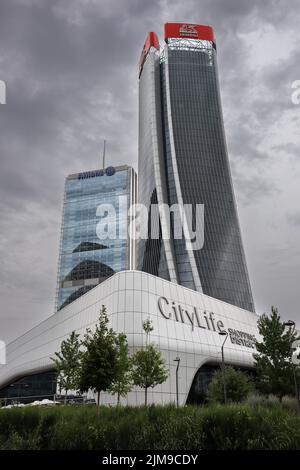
(183, 160)
(86, 258)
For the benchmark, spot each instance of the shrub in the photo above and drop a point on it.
(256, 400)
(238, 386)
(289, 403)
(236, 426)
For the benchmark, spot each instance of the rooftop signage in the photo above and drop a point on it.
(109, 171)
(191, 31)
(151, 41)
(205, 320)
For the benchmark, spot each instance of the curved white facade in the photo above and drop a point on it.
(186, 324)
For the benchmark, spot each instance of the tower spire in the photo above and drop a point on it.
(103, 157)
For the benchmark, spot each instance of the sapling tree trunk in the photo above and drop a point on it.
(98, 402)
(146, 398)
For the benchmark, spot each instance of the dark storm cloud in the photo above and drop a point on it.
(66, 82)
(71, 74)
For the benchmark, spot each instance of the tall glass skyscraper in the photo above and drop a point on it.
(95, 203)
(183, 160)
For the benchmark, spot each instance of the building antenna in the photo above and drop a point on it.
(103, 158)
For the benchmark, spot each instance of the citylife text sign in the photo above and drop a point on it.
(208, 321)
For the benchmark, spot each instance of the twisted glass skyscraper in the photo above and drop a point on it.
(183, 160)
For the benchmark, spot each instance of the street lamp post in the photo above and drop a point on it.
(224, 333)
(291, 324)
(177, 392)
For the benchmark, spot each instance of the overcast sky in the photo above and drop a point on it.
(71, 73)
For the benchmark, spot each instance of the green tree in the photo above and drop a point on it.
(67, 363)
(99, 362)
(147, 327)
(122, 383)
(148, 366)
(238, 386)
(273, 357)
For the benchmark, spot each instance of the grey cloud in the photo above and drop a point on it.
(291, 149)
(294, 219)
(252, 190)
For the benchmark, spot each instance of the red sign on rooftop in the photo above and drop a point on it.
(191, 31)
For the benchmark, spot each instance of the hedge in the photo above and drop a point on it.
(153, 428)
